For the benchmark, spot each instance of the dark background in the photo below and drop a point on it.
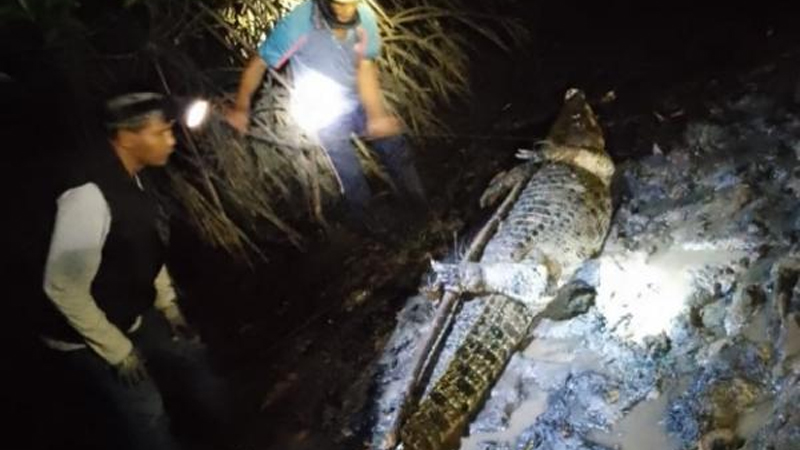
(641, 52)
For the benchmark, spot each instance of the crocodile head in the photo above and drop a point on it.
(576, 125)
(577, 139)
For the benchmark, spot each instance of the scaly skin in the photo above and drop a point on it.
(560, 219)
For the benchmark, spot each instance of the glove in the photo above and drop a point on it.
(131, 370)
(178, 325)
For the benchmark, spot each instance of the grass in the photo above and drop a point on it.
(239, 192)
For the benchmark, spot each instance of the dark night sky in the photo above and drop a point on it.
(668, 28)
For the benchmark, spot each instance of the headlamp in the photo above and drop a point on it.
(189, 111)
(196, 113)
(133, 110)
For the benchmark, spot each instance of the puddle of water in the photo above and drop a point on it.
(641, 428)
(754, 419)
(554, 360)
(790, 341)
(641, 295)
(521, 418)
(690, 254)
(557, 358)
(757, 329)
(556, 351)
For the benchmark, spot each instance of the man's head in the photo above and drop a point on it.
(140, 129)
(340, 13)
(344, 10)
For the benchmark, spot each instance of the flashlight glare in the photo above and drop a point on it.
(641, 298)
(317, 101)
(196, 113)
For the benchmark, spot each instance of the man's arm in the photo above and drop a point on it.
(251, 79)
(379, 122)
(166, 302)
(285, 39)
(369, 89)
(82, 223)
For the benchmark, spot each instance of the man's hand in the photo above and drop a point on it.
(131, 370)
(239, 114)
(178, 325)
(238, 119)
(383, 126)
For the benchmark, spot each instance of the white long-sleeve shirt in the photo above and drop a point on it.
(83, 220)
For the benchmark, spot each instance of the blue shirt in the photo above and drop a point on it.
(324, 67)
(292, 33)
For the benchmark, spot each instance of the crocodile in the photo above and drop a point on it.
(559, 220)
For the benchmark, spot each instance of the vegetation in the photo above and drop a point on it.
(238, 190)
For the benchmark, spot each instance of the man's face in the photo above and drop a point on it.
(152, 144)
(344, 11)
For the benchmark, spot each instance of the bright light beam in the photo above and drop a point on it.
(642, 298)
(317, 101)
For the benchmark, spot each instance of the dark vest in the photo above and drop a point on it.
(131, 257)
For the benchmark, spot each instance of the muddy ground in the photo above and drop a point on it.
(304, 364)
(298, 335)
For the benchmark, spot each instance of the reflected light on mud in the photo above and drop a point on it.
(641, 298)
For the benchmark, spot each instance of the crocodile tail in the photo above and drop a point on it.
(440, 420)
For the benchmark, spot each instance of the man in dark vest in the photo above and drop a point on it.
(105, 282)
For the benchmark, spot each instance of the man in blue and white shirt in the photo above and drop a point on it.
(331, 46)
